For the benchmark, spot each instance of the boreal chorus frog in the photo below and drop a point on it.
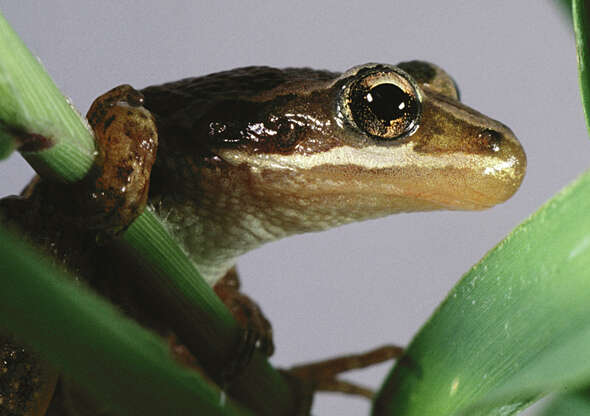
(251, 155)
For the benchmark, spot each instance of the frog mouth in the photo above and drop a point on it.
(450, 180)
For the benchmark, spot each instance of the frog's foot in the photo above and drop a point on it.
(256, 329)
(322, 375)
(126, 141)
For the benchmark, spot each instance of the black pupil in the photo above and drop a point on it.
(387, 101)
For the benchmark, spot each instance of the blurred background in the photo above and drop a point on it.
(370, 283)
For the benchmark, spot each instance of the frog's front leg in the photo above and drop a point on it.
(255, 327)
(246, 311)
(126, 141)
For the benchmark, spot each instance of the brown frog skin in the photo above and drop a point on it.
(255, 154)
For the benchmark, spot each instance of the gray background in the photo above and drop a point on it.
(370, 283)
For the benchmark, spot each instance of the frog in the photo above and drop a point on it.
(237, 159)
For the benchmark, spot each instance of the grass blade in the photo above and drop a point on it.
(581, 20)
(561, 367)
(34, 111)
(566, 7)
(7, 144)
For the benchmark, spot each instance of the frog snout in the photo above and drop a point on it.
(507, 165)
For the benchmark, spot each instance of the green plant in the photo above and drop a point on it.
(525, 332)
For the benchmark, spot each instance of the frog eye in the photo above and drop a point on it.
(382, 102)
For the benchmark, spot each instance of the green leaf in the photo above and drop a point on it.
(118, 361)
(7, 144)
(515, 317)
(566, 7)
(558, 368)
(581, 18)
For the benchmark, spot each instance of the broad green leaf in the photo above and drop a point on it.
(561, 367)
(524, 306)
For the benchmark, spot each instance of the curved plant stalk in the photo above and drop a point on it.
(53, 137)
(566, 7)
(581, 19)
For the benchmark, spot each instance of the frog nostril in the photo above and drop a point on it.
(490, 139)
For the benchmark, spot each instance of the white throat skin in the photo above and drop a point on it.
(215, 231)
(237, 209)
(221, 220)
(201, 238)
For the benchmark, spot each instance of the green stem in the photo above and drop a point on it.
(582, 29)
(35, 113)
(566, 7)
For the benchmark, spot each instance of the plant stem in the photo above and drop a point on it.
(54, 138)
(582, 30)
